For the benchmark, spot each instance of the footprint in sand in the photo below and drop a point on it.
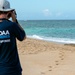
(42, 73)
(61, 53)
(57, 62)
(61, 57)
(50, 68)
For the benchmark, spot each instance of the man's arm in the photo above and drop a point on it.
(15, 20)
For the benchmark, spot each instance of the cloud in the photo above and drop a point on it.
(58, 14)
(47, 12)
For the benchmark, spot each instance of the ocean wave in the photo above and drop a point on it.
(36, 37)
(54, 39)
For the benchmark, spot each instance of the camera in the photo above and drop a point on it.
(10, 14)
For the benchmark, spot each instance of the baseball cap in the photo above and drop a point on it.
(5, 6)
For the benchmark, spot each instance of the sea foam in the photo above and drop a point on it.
(53, 39)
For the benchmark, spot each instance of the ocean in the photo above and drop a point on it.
(60, 31)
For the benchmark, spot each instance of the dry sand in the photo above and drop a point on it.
(46, 58)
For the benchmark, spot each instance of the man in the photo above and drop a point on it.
(9, 31)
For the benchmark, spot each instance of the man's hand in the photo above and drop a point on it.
(13, 16)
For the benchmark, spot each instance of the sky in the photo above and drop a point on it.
(44, 9)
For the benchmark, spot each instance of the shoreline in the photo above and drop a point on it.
(51, 39)
(33, 45)
(44, 58)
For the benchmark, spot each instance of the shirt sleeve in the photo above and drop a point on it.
(18, 32)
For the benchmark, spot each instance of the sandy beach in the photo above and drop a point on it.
(46, 58)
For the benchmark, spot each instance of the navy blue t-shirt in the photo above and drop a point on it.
(9, 59)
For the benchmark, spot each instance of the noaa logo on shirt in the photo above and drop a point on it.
(4, 36)
(4, 32)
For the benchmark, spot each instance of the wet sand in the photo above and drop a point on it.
(46, 58)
